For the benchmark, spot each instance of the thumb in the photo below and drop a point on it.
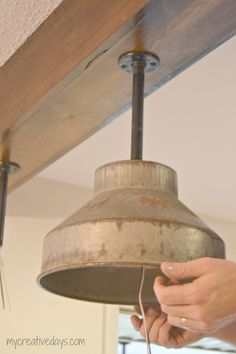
(136, 322)
(186, 270)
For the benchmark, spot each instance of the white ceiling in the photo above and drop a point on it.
(189, 123)
(18, 20)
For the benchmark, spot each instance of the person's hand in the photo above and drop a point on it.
(206, 304)
(161, 332)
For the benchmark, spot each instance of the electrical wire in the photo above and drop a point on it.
(142, 310)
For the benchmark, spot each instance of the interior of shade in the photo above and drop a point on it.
(106, 284)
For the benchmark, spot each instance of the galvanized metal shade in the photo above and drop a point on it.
(134, 219)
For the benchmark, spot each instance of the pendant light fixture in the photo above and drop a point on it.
(134, 220)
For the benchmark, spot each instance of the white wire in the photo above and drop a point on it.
(142, 310)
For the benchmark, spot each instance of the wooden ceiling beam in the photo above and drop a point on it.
(64, 83)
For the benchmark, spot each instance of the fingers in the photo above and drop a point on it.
(192, 325)
(154, 322)
(155, 328)
(150, 314)
(169, 331)
(173, 294)
(188, 311)
(165, 337)
(187, 270)
(150, 317)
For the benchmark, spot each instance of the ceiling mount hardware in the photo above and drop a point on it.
(138, 64)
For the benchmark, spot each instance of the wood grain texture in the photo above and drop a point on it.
(54, 94)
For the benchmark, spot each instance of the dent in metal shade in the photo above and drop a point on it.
(135, 219)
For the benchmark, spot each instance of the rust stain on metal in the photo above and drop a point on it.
(119, 224)
(143, 251)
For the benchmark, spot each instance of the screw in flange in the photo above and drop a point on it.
(10, 167)
(128, 60)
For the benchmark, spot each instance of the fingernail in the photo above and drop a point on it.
(170, 267)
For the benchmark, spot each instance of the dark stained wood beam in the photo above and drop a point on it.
(63, 84)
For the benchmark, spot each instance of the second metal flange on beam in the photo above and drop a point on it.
(128, 61)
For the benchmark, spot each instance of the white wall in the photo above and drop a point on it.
(35, 312)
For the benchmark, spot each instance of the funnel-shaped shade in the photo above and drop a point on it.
(135, 219)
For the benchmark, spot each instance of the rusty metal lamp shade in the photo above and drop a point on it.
(134, 220)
